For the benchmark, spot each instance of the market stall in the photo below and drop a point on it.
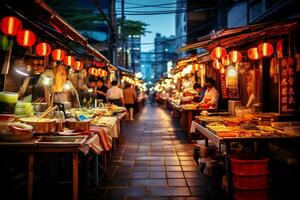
(258, 74)
(47, 101)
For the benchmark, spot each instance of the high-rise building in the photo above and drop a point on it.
(133, 48)
(164, 51)
(147, 63)
(200, 18)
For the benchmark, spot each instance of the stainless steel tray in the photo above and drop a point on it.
(62, 140)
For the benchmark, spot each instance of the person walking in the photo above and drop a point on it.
(129, 98)
(115, 94)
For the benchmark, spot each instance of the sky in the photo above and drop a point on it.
(164, 24)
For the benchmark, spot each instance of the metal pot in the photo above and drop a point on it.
(72, 124)
(40, 107)
(40, 126)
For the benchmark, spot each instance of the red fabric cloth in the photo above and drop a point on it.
(103, 136)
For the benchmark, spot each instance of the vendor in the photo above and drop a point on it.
(211, 95)
(101, 90)
(200, 90)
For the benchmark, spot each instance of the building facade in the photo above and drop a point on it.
(164, 52)
(133, 49)
(147, 64)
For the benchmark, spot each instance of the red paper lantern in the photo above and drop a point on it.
(196, 67)
(77, 65)
(69, 60)
(265, 49)
(235, 56)
(218, 53)
(102, 73)
(11, 25)
(254, 54)
(92, 71)
(26, 38)
(217, 64)
(222, 70)
(226, 60)
(58, 54)
(43, 49)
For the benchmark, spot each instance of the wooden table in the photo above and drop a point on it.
(217, 141)
(32, 148)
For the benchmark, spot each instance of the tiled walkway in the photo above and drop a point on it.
(153, 161)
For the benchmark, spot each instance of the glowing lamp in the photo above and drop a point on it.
(58, 54)
(196, 67)
(92, 71)
(222, 70)
(235, 56)
(226, 60)
(10, 25)
(265, 49)
(254, 54)
(217, 64)
(26, 38)
(218, 53)
(69, 60)
(232, 72)
(77, 65)
(43, 49)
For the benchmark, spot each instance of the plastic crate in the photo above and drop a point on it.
(249, 167)
(251, 194)
(250, 182)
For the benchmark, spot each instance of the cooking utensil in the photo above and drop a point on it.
(40, 125)
(82, 125)
(50, 109)
(15, 132)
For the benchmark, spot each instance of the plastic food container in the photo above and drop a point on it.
(250, 182)
(249, 167)
(8, 102)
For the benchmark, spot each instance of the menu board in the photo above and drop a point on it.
(287, 98)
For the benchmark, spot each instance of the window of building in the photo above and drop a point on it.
(255, 9)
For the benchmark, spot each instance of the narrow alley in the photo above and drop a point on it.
(154, 161)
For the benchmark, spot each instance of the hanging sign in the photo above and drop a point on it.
(223, 86)
(287, 98)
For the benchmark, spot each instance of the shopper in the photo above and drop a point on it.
(129, 98)
(115, 94)
(101, 90)
(211, 95)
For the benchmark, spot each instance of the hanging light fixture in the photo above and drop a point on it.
(77, 65)
(10, 25)
(232, 71)
(69, 60)
(218, 53)
(26, 38)
(196, 67)
(58, 54)
(217, 64)
(265, 49)
(222, 70)
(254, 54)
(226, 60)
(43, 49)
(235, 56)
(92, 71)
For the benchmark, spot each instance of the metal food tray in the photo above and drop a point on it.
(61, 140)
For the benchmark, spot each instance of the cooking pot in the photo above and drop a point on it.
(41, 125)
(72, 124)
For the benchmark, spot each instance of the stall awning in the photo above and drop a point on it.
(236, 36)
(40, 14)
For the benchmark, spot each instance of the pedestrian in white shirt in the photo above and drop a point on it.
(115, 94)
(211, 95)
